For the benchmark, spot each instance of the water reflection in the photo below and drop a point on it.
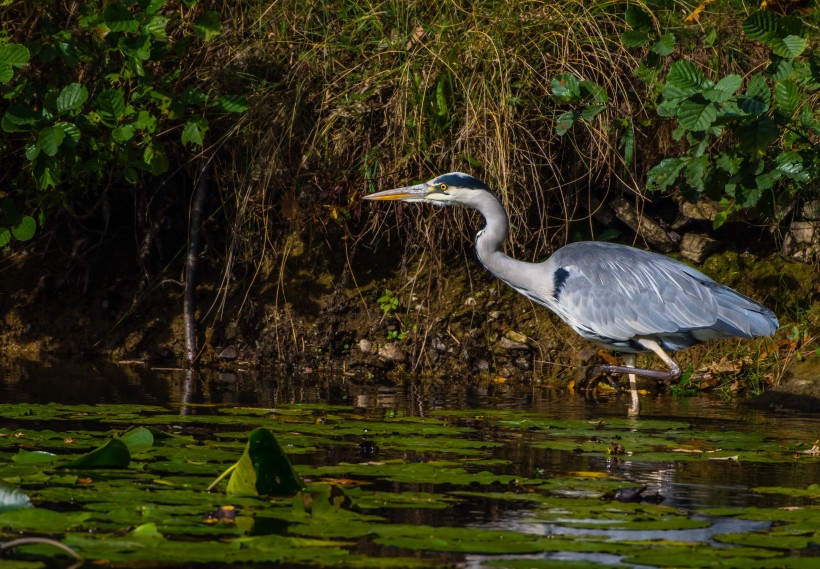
(683, 484)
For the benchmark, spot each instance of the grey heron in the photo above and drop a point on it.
(618, 297)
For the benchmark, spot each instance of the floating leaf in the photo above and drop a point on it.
(113, 454)
(138, 439)
(264, 469)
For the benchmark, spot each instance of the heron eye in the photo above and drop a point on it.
(442, 186)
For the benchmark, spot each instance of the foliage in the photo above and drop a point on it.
(751, 141)
(100, 100)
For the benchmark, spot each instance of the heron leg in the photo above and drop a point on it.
(673, 373)
(635, 404)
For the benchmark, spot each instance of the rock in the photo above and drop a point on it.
(470, 301)
(696, 247)
(802, 242)
(514, 336)
(392, 353)
(811, 210)
(704, 210)
(482, 365)
(799, 389)
(804, 231)
(438, 345)
(494, 315)
(230, 353)
(650, 230)
(365, 346)
(522, 363)
(507, 344)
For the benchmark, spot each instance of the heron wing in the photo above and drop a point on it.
(616, 292)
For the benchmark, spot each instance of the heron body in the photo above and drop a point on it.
(616, 296)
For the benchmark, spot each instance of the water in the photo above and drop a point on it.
(689, 486)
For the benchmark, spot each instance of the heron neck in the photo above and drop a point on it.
(489, 242)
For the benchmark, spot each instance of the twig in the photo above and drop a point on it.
(39, 541)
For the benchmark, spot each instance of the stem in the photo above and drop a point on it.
(194, 243)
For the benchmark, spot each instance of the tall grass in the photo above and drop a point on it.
(354, 97)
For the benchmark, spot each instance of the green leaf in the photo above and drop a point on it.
(110, 104)
(729, 163)
(14, 55)
(264, 469)
(117, 18)
(18, 118)
(788, 47)
(685, 76)
(664, 174)
(757, 136)
(591, 90)
(207, 26)
(664, 46)
(194, 131)
(634, 38)
(565, 88)
(724, 89)
(696, 116)
(50, 139)
(786, 96)
(123, 134)
(72, 97)
(761, 26)
(113, 454)
(590, 113)
(6, 73)
(565, 121)
(155, 27)
(232, 104)
(138, 439)
(72, 132)
(627, 143)
(24, 456)
(638, 18)
(5, 236)
(24, 230)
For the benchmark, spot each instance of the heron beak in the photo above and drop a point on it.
(407, 194)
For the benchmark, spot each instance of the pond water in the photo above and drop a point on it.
(433, 473)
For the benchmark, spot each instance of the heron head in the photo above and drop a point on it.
(454, 188)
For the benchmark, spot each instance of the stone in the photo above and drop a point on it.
(365, 346)
(507, 344)
(392, 353)
(229, 353)
(696, 247)
(650, 230)
(514, 336)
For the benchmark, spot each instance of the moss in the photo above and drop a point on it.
(787, 287)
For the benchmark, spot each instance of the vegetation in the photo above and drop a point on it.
(111, 108)
(147, 496)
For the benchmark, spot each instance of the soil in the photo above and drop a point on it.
(310, 310)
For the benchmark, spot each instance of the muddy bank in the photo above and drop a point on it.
(368, 311)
